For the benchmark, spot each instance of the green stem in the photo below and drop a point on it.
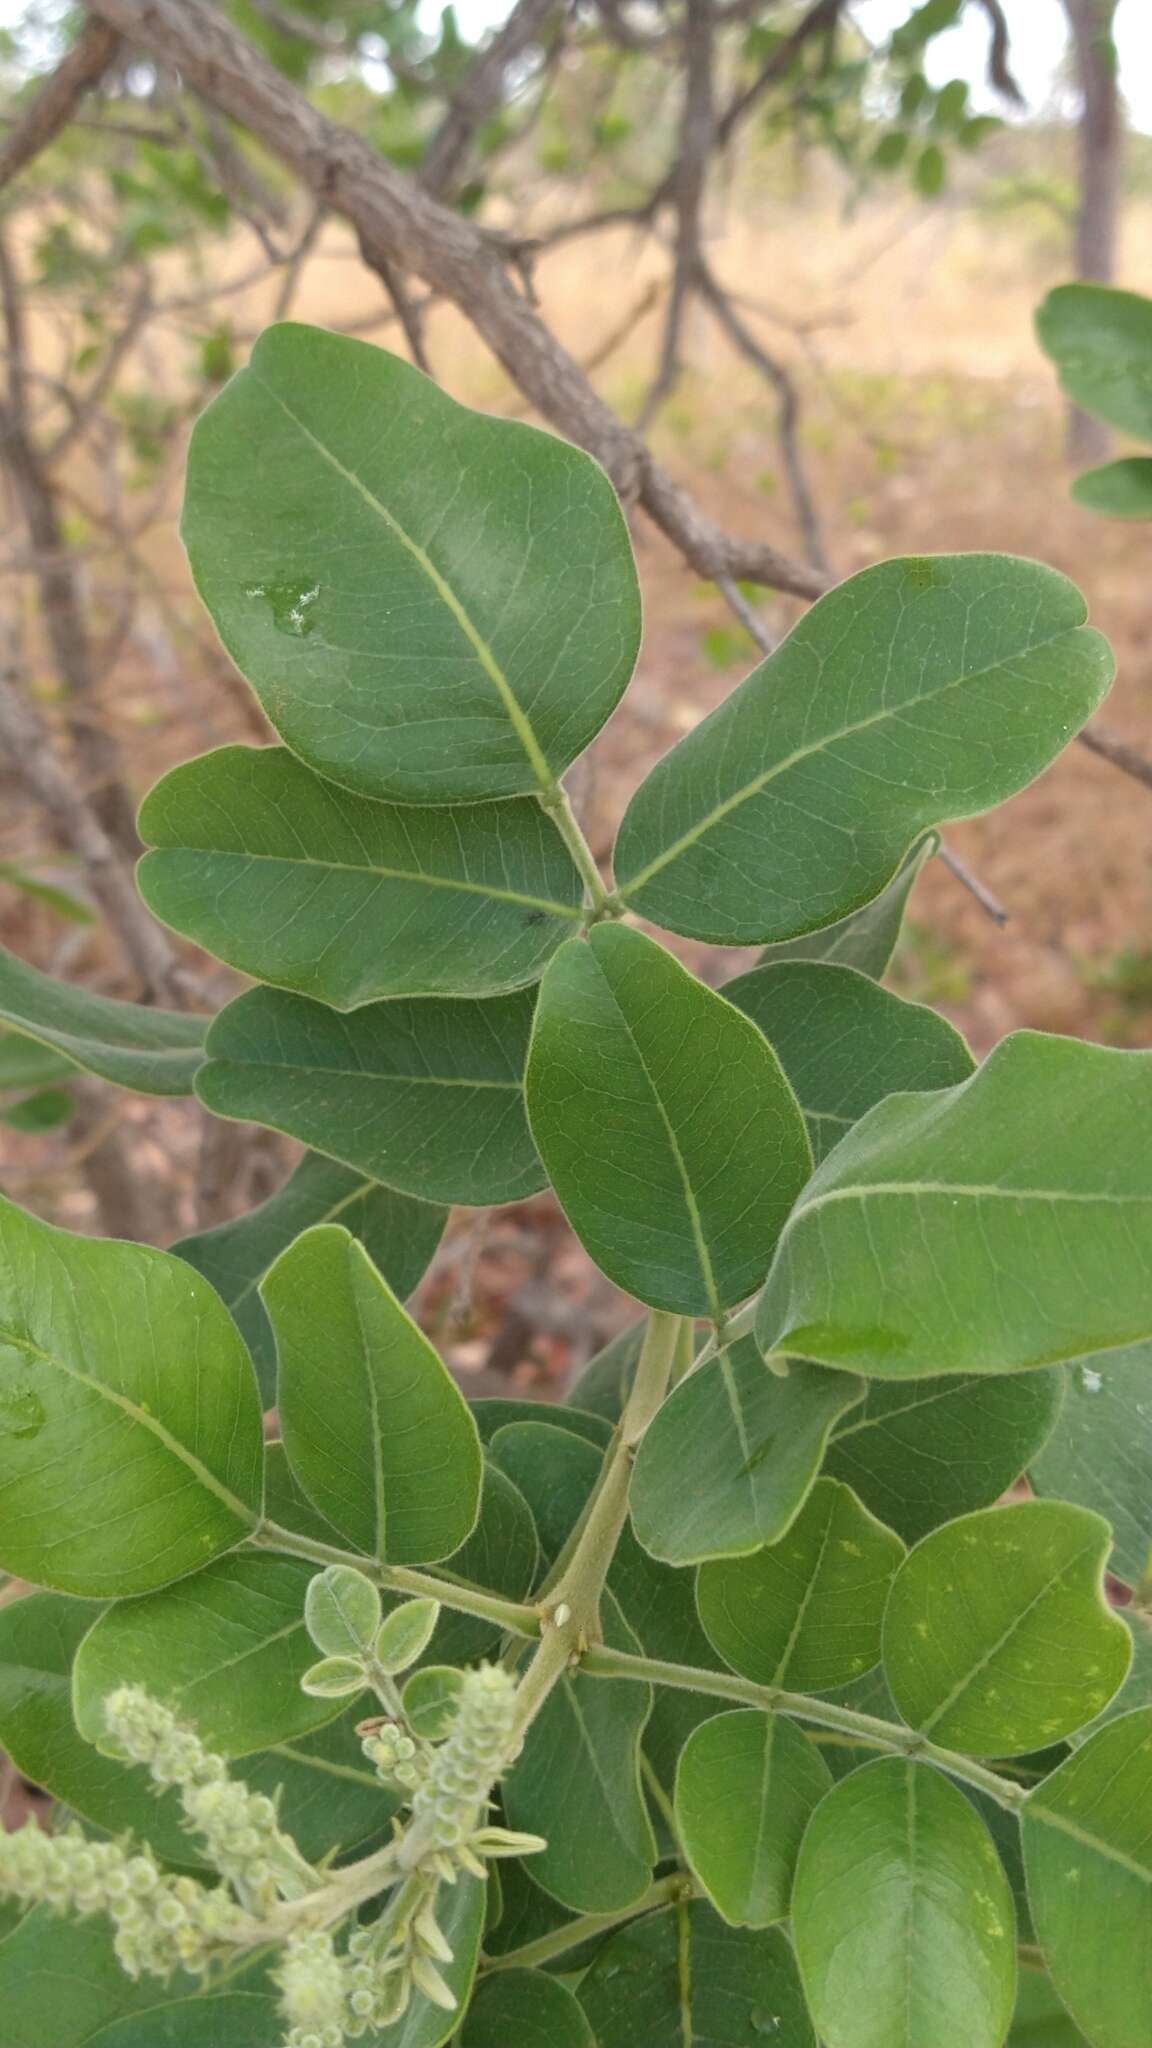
(548, 1946)
(601, 1662)
(555, 800)
(573, 1615)
(396, 1578)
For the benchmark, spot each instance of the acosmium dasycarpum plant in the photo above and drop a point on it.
(723, 1703)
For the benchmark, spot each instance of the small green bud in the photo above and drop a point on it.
(342, 1611)
(431, 1698)
(334, 1678)
(506, 1842)
(406, 1634)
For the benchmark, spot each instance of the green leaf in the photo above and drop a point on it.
(241, 2019)
(729, 1460)
(286, 1502)
(1100, 1452)
(931, 171)
(431, 1698)
(342, 1611)
(1086, 1850)
(334, 1678)
(374, 1427)
(1041, 2020)
(156, 1052)
(668, 1130)
(1003, 1224)
(902, 1916)
(25, 1064)
(604, 1385)
(554, 1472)
(130, 1420)
(89, 1990)
(495, 1413)
(745, 1792)
(61, 901)
(44, 1111)
(683, 1977)
(845, 1043)
(577, 1783)
(920, 1452)
(918, 691)
(400, 1236)
(1121, 490)
(443, 610)
(500, 1556)
(1136, 1690)
(1101, 343)
(226, 1650)
(304, 885)
(806, 1611)
(997, 1639)
(865, 939)
(426, 1096)
(528, 2009)
(406, 1634)
(460, 1910)
(328, 1797)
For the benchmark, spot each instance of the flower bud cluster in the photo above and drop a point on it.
(383, 1973)
(161, 1924)
(399, 1761)
(239, 1827)
(313, 1987)
(450, 1802)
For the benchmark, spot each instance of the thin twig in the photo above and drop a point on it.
(54, 106)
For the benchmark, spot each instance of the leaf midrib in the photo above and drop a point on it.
(864, 1189)
(760, 782)
(517, 717)
(348, 867)
(139, 1415)
(929, 1721)
(361, 1074)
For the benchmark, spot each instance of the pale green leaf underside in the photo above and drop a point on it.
(1088, 1852)
(374, 1428)
(431, 605)
(129, 1414)
(902, 1916)
(226, 1649)
(399, 1234)
(156, 1052)
(311, 888)
(730, 1457)
(845, 1043)
(918, 691)
(996, 1226)
(1100, 1452)
(425, 1096)
(806, 1611)
(667, 1127)
(997, 1638)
